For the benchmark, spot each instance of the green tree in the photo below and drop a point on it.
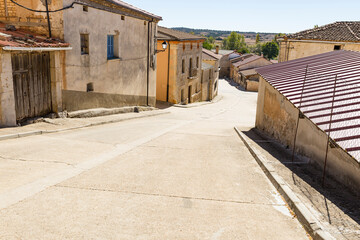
(270, 50)
(236, 42)
(209, 43)
(256, 49)
(257, 38)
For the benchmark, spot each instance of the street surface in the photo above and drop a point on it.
(183, 175)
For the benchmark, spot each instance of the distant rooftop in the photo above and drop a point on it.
(205, 66)
(223, 52)
(209, 55)
(174, 35)
(338, 31)
(131, 7)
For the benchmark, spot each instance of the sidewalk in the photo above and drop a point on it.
(48, 125)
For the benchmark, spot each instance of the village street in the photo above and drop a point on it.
(182, 175)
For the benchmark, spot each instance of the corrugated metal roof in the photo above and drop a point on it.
(320, 84)
(20, 38)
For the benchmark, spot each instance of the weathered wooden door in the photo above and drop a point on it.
(32, 85)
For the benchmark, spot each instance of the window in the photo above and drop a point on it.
(85, 8)
(183, 46)
(110, 47)
(337, 47)
(191, 46)
(197, 62)
(84, 43)
(183, 66)
(190, 65)
(123, 18)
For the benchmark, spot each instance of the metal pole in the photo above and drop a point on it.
(298, 120)
(48, 17)
(328, 139)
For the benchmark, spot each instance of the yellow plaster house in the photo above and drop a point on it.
(179, 67)
(335, 36)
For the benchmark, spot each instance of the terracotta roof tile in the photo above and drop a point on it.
(20, 38)
(207, 54)
(171, 34)
(338, 31)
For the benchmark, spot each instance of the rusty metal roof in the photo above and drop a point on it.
(20, 38)
(326, 88)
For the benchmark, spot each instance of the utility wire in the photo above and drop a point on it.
(40, 11)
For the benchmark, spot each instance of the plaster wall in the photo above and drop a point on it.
(277, 117)
(225, 67)
(125, 75)
(162, 72)
(290, 50)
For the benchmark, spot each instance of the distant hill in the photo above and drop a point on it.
(219, 34)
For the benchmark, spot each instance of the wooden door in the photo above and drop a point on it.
(32, 85)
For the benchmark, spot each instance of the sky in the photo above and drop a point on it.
(277, 16)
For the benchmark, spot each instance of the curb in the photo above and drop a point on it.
(306, 218)
(40, 132)
(215, 100)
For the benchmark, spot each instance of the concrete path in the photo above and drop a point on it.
(183, 175)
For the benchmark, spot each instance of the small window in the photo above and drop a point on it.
(85, 8)
(190, 65)
(198, 45)
(123, 18)
(183, 66)
(110, 47)
(84, 41)
(191, 47)
(197, 62)
(337, 47)
(184, 46)
(182, 95)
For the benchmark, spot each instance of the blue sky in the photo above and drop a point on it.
(251, 15)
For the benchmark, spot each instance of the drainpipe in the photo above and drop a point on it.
(168, 75)
(148, 63)
(48, 17)
(6, 8)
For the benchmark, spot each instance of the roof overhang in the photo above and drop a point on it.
(36, 49)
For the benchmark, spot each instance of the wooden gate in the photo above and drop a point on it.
(32, 85)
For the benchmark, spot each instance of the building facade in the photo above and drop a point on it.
(210, 74)
(179, 67)
(112, 61)
(335, 36)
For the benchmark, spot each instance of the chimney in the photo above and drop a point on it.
(217, 49)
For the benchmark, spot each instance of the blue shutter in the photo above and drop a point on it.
(110, 46)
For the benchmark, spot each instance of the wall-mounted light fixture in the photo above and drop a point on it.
(164, 46)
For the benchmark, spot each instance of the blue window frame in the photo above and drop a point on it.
(110, 46)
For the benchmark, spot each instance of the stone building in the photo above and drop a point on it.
(179, 67)
(242, 70)
(335, 36)
(210, 74)
(311, 105)
(113, 58)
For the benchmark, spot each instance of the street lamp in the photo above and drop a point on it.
(164, 46)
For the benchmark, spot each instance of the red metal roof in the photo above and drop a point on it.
(326, 88)
(20, 38)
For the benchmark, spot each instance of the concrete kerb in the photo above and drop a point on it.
(306, 218)
(40, 132)
(198, 104)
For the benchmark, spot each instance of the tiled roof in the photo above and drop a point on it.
(247, 60)
(209, 55)
(131, 7)
(171, 34)
(309, 83)
(338, 31)
(19, 38)
(223, 52)
(249, 72)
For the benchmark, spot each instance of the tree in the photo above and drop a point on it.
(256, 49)
(235, 41)
(270, 50)
(257, 38)
(209, 43)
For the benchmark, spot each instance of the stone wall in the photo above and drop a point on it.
(277, 117)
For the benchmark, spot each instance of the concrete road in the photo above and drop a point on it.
(184, 175)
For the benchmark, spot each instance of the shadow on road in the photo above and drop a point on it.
(334, 201)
